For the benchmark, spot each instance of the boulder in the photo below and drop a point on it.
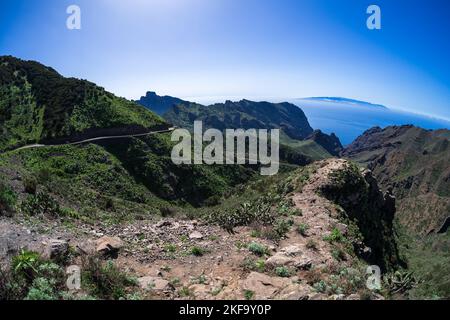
(263, 286)
(279, 260)
(296, 292)
(196, 236)
(109, 246)
(292, 250)
(155, 284)
(57, 249)
(290, 256)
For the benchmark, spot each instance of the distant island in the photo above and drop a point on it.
(346, 101)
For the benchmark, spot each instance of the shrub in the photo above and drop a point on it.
(41, 204)
(8, 199)
(10, 289)
(42, 289)
(279, 230)
(334, 236)
(197, 251)
(311, 245)
(171, 248)
(26, 264)
(258, 249)
(282, 272)
(302, 229)
(30, 184)
(320, 286)
(167, 211)
(250, 264)
(32, 278)
(338, 254)
(184, 292)
(104, 279)
(70, 213)
(248, 294)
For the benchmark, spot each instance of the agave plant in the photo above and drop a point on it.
(400, 281)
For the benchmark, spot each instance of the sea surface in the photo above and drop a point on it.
(348, 121)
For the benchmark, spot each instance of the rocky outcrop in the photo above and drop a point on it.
(109, 246)
(357, 192)
(331, 142)
(413, 163)
(159, 104)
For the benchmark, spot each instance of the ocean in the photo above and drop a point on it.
(349, 120)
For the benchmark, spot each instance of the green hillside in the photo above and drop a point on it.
(297, 138)
(243, 114)
(37, 103)
(108, 179)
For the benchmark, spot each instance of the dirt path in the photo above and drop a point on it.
(162, 254)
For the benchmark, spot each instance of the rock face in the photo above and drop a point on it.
(414, 164)
(158, 104)
(331, 143)
(357, 192)
(244, 114)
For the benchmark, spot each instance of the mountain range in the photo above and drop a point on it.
(297, 137)
(308, 233)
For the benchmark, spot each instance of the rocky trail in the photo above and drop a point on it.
(180, 259)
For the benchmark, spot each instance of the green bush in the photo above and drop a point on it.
(26, 264)
(197, 251)
(248, 294)
(32, 278)
(41, 204)
(311, 245)
(30, 184)
(42, 289)
(302, 229)
(334, 236)
(104, 280)
(282, 272)
(8, 199)
(258, 249)
(338, 254)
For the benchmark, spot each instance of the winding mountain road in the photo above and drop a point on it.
(32, 146)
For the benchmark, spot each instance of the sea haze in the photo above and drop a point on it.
(350, 118)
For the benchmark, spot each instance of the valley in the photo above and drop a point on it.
(87, 179)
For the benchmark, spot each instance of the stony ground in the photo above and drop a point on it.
(185, 259)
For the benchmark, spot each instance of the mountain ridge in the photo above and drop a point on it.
(38, 104)
(414, 163)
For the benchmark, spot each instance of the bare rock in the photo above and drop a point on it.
(57, 249)
(196, 236)
(163, 223)
(109, 246)
(155, 284)
(296, 292)
(264, 286)
(279, 260)
(292, 250)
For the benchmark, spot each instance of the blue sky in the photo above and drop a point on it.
(258, 49)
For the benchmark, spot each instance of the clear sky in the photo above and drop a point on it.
(258, 49)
